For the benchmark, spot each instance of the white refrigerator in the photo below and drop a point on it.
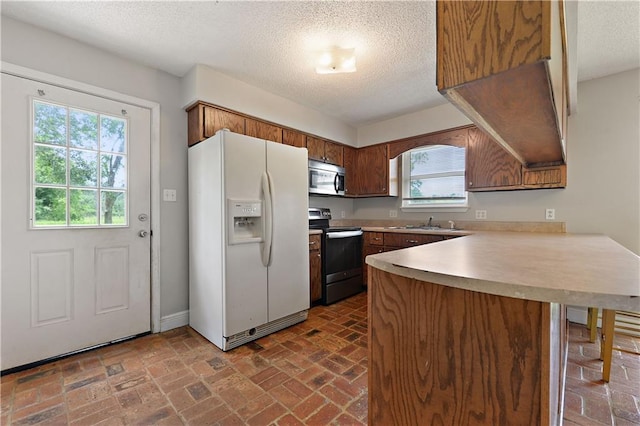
(248, 238)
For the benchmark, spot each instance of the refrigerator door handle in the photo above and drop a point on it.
(268, 219)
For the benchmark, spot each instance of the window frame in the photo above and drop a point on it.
(405, 173)
(33, 185)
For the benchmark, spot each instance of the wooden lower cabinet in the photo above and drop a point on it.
(443, 355)
(315, 267)
(379, 242)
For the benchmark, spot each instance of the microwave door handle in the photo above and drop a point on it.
(335, 182)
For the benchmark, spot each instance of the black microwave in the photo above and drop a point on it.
(325, 179)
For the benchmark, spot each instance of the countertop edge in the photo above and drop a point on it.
(402, 263)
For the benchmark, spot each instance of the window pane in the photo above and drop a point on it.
(440, 159)
(83, 167)
(83, 207)
(443, 187)
(114, 171)
(113, 208)
(50, 165)
(49, 124)
(50, 207)
(83, 129)
(112, 134)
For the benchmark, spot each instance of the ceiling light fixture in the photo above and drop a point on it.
(336, 60)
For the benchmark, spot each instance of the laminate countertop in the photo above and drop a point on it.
(572, 269)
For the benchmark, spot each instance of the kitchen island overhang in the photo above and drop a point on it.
(472, 330)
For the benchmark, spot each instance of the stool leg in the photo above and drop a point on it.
(608, 319)
(592, 323)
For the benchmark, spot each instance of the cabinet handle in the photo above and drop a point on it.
(470, 183)
(318, 254)
(311, 242)
(412, 241)
(377, 239)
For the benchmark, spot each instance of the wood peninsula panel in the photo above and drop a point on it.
(488, 165)
(441, 355)
(262, 130)
(294, 138)
(456, 137)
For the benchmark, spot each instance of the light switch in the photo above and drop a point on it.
(169, 195)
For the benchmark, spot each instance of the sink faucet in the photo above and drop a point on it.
(452, 224)
(429, 223)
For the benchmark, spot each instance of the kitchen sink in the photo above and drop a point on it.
(424, 228)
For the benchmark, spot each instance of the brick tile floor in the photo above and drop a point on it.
(314, 373)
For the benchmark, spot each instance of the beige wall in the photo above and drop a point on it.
(603, 149)
(41, 50)
(205, 84)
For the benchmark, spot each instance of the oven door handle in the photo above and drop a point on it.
(343, 234)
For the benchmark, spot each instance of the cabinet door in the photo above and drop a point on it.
(368, 249)
(315, 147)
(293, 138)
(372, 172)
(315, 268)
(373, 238)
(195, 126)
(333, 153)
(488, 165)
(350, 154)
(262, 130)
(216, 119)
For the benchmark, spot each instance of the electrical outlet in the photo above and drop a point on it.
(481, 214)
(393, 213)
(169, 195)
(550, 214)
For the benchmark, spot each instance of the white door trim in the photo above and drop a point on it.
(154, 107)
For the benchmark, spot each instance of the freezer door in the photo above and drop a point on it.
(245, 284)
(289, 269)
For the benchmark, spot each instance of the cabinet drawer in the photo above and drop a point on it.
(374, 238)
(409, 240)
(314, 242)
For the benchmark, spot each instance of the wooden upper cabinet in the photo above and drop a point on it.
(293, 138)
(372, 170)
(262, 130)
(502, 63)
(315, 147)
(349, 155)
(326, 151)
(216, 119)
(204, 121)
(333, 153)
(489, 166)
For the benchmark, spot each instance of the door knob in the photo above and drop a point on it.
(142, 233)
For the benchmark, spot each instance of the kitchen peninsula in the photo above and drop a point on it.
(472, 330)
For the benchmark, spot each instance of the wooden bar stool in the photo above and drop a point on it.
(620, 322)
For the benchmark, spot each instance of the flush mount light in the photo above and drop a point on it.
(336, 60)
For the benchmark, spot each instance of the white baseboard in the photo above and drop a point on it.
(172, 321)
(578, 314)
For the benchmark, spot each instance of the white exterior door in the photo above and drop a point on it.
(75, 221)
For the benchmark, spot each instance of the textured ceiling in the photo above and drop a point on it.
(271, 44)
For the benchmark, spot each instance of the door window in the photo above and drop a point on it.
(79, 167)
